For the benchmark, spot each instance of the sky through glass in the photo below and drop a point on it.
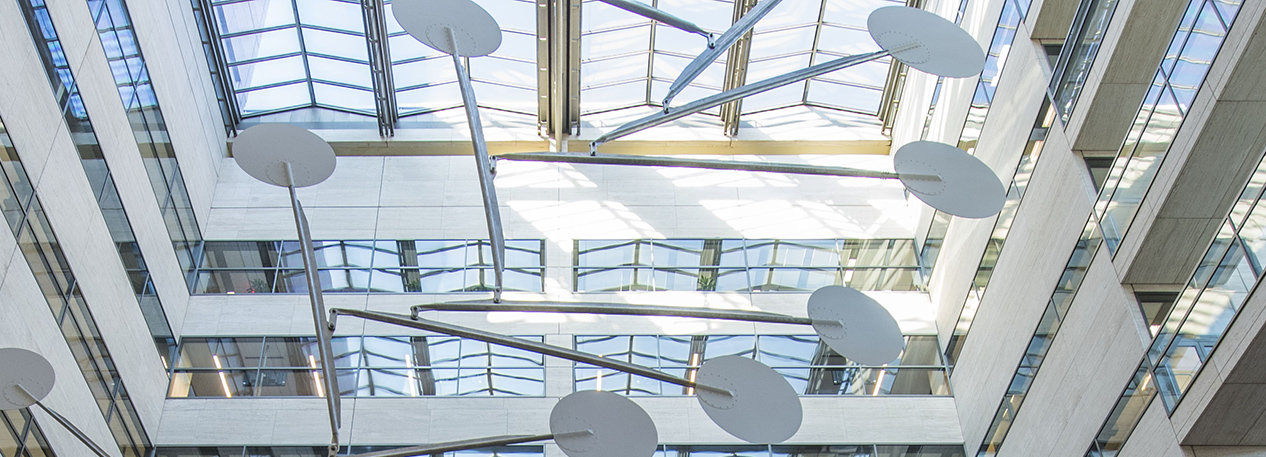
(286, 55)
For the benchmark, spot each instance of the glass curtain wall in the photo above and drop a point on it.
(213, 48)
(744, 265)
(97, 169)
(1001, 228)
(1191, 52)
(1195, 44)
(367, 366)
(810, 366)
(377, 266)
(43, 253)
(23, 437)
(123, 52)
(1079, 52)
(1048, 326)
(1013, 13)
(1212, 299)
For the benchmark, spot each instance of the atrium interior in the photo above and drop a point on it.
(1102, 307)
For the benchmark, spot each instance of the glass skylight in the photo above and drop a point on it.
(286, 55)
(506, 80)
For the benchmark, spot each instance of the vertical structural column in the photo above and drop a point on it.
(558, 22)
(380, 66)
(736, 70)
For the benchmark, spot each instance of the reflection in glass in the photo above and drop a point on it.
(369, 366)
(376, 266)
(811, 367)
(744, 265)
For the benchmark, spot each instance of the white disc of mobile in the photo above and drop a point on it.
(602, 424)
(761, 408)
(456, 27)
(20, 367)
(855, 325)
(926, 41)
(264, 150)
(949, 179)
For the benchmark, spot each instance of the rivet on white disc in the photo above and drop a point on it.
(855, 325)
(966, 186)
(28, 369)
(618, 427)
(263, 150)
(764, 408)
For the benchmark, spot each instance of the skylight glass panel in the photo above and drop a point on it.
(627, 61)
(284, 55)
(505, 80)
(288, 54)
(615, 58)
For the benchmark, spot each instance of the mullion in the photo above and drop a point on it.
(259, 31)
(307, 68)
(813, 50)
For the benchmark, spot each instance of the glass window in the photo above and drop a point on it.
(378, 266)
(369, 366)
(810, 366)
(744, 265)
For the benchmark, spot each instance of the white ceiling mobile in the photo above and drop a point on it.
(742, 396)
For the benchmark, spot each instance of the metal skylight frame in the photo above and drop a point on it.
(552, 75)
(237, 66)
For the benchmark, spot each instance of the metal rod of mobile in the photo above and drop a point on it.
(720, 45)
(660, 16)
(485, 167)
(519, 343)
(722, 98)
(710, 164)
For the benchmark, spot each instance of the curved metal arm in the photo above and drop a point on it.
(484, 165)
(79, 434)
(333, 401)
(727, 39)
(649, 161)
(659, 15)
(734, 94)
(520, 343)
(452, 446)
(621, 309)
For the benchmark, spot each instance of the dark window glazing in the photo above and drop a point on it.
(1001, 228)
(22, 435)
(1079, 52)
(1013, 13)
(1191, 52)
